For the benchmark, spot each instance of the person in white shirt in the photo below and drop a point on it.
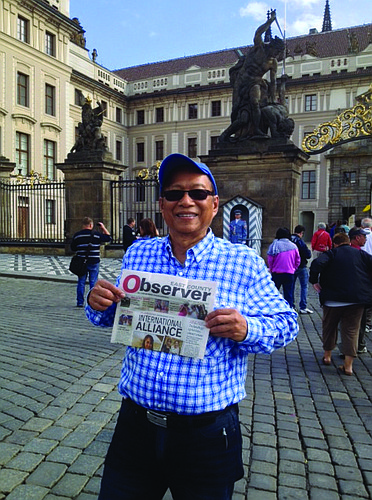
(366, 223)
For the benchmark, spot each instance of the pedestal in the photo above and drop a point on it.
(269, 178)
(6, 168)
(88, 191)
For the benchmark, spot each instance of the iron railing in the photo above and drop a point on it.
(32, 212)
(137, 199)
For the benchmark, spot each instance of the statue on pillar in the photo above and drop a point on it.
(90, 137)
(256, 110)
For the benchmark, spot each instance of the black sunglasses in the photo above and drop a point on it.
(195, 194)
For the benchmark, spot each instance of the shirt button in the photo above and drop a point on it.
(180, 273)
(161, 374)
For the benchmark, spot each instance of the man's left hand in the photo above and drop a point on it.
(227, 323)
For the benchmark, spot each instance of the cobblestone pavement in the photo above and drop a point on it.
(307, 429)
(51, 266)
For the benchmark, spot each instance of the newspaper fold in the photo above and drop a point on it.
(163, 313)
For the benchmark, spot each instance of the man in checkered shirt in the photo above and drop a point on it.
(178, 425)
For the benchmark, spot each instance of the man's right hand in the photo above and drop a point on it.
(103, 294)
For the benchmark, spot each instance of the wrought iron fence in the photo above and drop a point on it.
(32, 212)
(137, 199)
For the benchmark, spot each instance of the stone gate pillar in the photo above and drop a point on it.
(88, 189)
(270, 177)
(6, 168)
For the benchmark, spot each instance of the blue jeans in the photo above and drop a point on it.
(194, 462)
(92, 270)
(285, 280)
(302, 273)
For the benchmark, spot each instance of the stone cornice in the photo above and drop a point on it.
(51, 125)
(21, 116)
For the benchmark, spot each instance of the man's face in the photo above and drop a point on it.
(187, 217)
(237, 216)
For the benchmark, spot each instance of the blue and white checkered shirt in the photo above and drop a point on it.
(167, 382)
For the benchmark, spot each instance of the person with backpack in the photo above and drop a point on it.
(302, 272)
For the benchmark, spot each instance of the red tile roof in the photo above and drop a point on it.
(328, 44)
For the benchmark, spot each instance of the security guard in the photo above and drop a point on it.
(238, 228)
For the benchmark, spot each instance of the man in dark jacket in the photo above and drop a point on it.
(302, 272)
(87, 242)
(129, 234)
(342, 277)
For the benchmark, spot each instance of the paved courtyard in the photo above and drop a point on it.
(307, 429)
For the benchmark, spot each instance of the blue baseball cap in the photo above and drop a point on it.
(176, 161)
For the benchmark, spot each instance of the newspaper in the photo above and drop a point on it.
(164, 313)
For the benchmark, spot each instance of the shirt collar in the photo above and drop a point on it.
(197, 251)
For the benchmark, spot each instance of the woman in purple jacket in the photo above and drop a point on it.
(283, 259)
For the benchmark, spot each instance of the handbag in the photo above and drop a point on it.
(78, 264)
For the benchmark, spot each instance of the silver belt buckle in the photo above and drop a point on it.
(157, 418)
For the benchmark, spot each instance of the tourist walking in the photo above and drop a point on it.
(86, 242)
(283, 259)
(302, 272)
(321, 240)
(342, 277)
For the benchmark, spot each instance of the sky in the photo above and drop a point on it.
(126, 33)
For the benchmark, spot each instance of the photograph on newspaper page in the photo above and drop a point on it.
(163, 313)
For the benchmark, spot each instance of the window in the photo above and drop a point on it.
(49, 159)
(193, 111)
(50, 211)
(104, 107)
(191, 147)
(310, 102)
(140, 116)
(78, 97)
(140, 151)
(23, 29)
(214, 142)
(23, 152)
(50, 44)
(308, 185)
(159, 115)
(159, 150)
(22, 89)
(118, 150)
(216, 108)
(50, 106)
(118, 115)
(349, 178)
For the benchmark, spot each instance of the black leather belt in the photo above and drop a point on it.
(174, 420)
